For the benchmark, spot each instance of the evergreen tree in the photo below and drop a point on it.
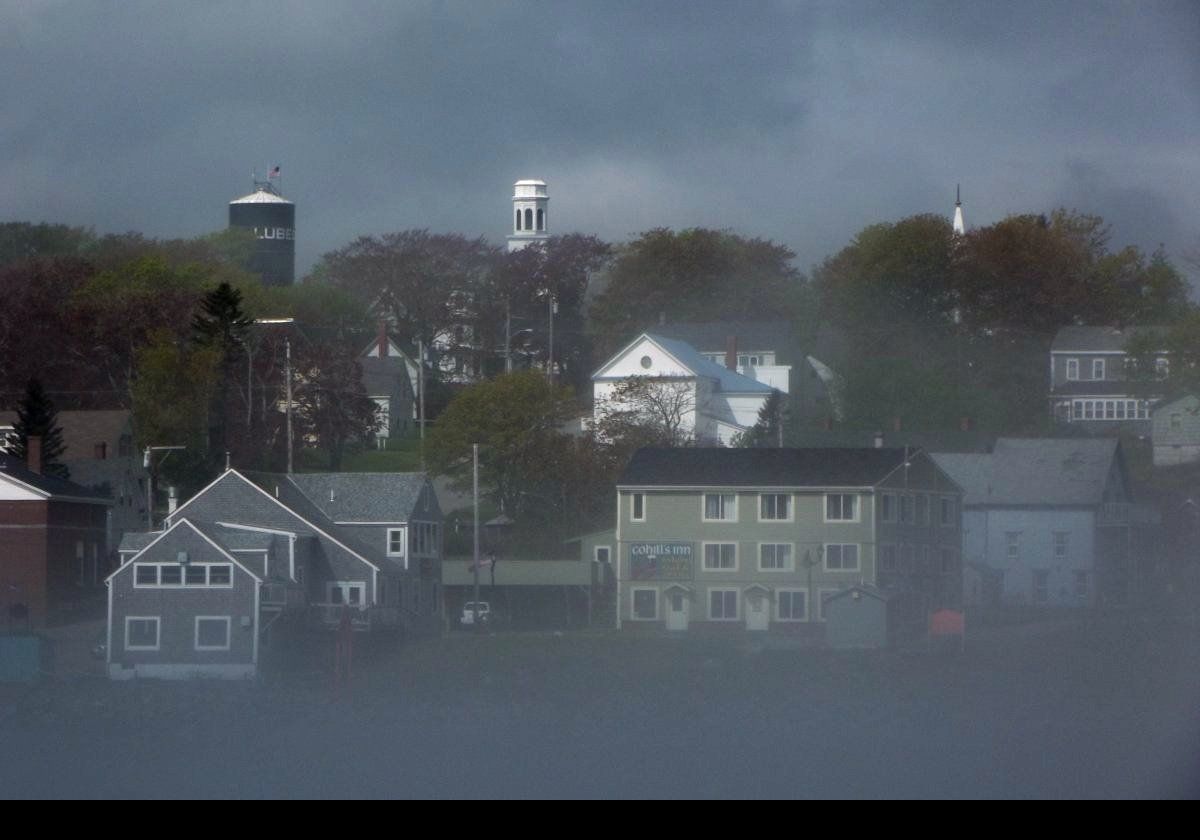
(768, 431)
(37, 417)
(221, 326)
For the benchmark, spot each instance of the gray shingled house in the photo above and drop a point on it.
(320, 546)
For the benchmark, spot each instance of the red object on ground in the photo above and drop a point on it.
(947, 623)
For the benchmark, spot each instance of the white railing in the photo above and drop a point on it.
(361, 617)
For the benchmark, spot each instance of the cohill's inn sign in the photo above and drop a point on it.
(660, 561)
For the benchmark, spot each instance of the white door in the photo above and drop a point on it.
(757, 610)
(677, 610)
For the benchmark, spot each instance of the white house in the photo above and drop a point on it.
(712, 402)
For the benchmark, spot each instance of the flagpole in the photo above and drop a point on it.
(475, 565)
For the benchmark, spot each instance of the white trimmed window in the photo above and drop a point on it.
(720, 557)
(158, 575)
(841, 507)
(775, 557)
(1097, 368)
(887, 507)
(141, 632)
(723, 604)
(637, 507)
(775, 507)
(395, 542)
(841, 557)
(643, 604)
(1062, 545)
(602, 554)
(1072, 369)
(1012, 545)
(791, 605)
(720, 507)
(212, 632)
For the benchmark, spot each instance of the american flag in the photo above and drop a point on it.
(274, 173)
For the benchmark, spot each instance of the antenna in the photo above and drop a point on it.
(958, 195)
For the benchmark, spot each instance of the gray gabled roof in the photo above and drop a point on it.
(1066, 472)
(16, 470)
(366, 497)
(721, 467)
(1099, 339)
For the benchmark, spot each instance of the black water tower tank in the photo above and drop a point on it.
(273, 220)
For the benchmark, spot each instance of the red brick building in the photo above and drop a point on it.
(52, 543)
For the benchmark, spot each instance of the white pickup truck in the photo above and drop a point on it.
(470, 609)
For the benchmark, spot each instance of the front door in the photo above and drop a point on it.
(677, 609)
(757, 610)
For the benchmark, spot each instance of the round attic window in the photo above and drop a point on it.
(647, 362)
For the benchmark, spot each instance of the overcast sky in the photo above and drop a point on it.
(799, 122)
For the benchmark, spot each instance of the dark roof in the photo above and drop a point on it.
(1098, 339)
(363, 497)
(947, 441)
(82, 430)
(56, 487)
(720, 467)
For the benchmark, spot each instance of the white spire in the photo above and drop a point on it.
(959, 227)
(531, 218)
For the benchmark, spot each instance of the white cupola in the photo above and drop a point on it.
(530, 214)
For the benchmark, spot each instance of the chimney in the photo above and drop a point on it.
(172, 500)
(100, 451)
(896, 424)
(879, 440)
(33, 454)
(381, 344)
(731, 352)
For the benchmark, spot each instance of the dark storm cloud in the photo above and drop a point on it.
(797, 122)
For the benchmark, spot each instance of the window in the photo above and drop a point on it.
(887, 507)
(1012, 545)
(1097, 368)
(1162, 368)
(645, 605)
(949, 560)
(194, 575)
(170, 575)
(723, 604)
(395, 542)
(638, 507)
(720, 507)
(145, 575)
(947, 517)
(220, 575)
(887, 558)
(603, 554)
(922, 509)
(1072, 369)
(1061, 545)
(541, 219)
(774, 507)
(1041, 586)
(841, 507)
(423, 539)
(906, 508)
(791, 604)
(1081, 585)
(212, 632)
(841, 557)
(748, 361)
(173, 574)
(720, 557)
(141, 633)
(528, 219)
(775, 557)
(518, 220)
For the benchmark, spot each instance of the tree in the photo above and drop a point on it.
(515, 418)
(172, 396)
(37, 417)
(221, 326)
(520, 288)
(768, 430)
(693, 275)
(23, 241)
(330, 402)
(654, 411)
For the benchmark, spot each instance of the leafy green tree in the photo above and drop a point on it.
(24, 240)
(515, 419)
(37, 417)
(172, 396)
(693, 275)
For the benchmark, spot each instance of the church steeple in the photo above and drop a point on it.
(959, 227)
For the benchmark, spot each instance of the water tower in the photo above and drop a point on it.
(273, 220)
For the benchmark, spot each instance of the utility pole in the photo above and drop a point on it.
(550, 352)
(421, 397)
(287, 344)
(507, 336)
(475, 564)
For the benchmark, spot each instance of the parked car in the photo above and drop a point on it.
(470, 609)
